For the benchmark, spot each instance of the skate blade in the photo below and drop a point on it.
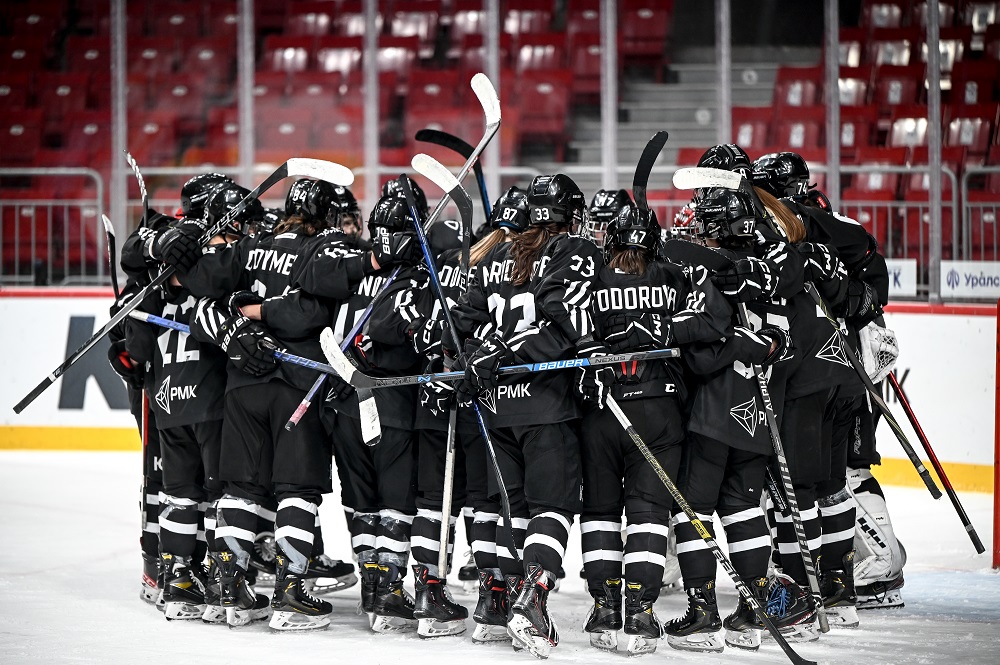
(182, 611)
(437, 628)
(640, 645)
(237, 618)
(288, 621)
(385, 624)
(523, 632)
(893, 600)
(748, 640)
(322, 586)
(606, 640)
(469, 588)
(149, 594)
(843, 617)
(701, 642)
(214, 614)
(800, 632)
(160, 604)
(485, 633)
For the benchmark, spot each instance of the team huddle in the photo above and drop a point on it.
(710, 359)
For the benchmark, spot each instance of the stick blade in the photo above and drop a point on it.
(434, 171)
(700, 177)
(108, 226)
(640, 181)
(335, 356)
(305, 167)
(371, 426)
(487, 95)
(444, 139)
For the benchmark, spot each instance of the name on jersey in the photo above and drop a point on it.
(499, 272)
(371, 285)
(451, 276)
(270, 260)
(636, 297)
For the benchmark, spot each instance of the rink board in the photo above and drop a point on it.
(947, 368)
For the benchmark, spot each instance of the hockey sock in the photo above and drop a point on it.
(468, 517)
(210, 518)
(788, 544)
(505, 556)
(236, 527)
(178, 525)
(837, 516)
(879, 555)
(424, 539)
(695, 559)
(601, 541)
(319, 547)
(201, 541)
(749, 540)
(546, 539)
(295, 531)
(364, 527)
(150, 538)
(645, 547)
(392, 539)
(483, 540)
(265, 522)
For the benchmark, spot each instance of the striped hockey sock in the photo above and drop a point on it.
(601, 540)
(295, 531)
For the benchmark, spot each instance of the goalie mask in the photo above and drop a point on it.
(781, 174)
(390, 215)
(604, 207)
(392, 187)
(310, 199)
(632, 228)
(556, 199)
(510, 212)
(223, 199)
(196, 191)
(725, 215)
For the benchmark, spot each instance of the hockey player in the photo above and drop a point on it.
(603, 208)
(535, 291)
(639, 303)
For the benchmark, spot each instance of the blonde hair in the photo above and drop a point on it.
(482, 248)
(786, 219)
(526, 249)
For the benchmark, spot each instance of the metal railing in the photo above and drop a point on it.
(979, 218)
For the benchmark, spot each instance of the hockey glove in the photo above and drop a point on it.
(630, 332)
(438, 397)
(178, 246)
(862, 304)
(784, 349)
(338, 388)
(425, 334)
(594, 382)
(821, 264)
(879, 350)
(481, 374)
(249, 345)
(131, 371)
(242, 299)
(749, 279)
(393, 249)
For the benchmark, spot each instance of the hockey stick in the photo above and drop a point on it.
(142, 187)
(705, 534)
(912, 417)
(358, 379)
(645, 166)
(431, 169)
(295, 167)
(109, 236)
(487, 96)
(452, 142)
(876, 395)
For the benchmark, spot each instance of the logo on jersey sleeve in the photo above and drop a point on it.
(165, 394)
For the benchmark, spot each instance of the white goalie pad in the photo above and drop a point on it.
(879, 350)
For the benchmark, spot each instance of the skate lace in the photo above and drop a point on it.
(777, 603)
(306, 594)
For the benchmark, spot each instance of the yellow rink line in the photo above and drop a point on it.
(964, 477)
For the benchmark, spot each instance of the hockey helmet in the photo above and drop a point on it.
(394, 187)
(223, 199)
(781, 174)
(604, 207)
(345, 211)
(726, 215)
(310, 199)
(510, 211)
(632, 227)
(195, 193)
(728, 157)
(390, 215)
(556, 199)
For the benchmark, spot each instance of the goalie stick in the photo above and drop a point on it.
(706, 536)
(463, 148)
(295, 167)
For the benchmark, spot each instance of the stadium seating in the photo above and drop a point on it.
(416, 18)
(798, 86)
(527, 16)
(540, 51)
(883, 14)
(543, 97)
(286, 54)
(898, 85)
(908, 126)
(894, 46)
(21, 134)
(854, 85)
(800, 128)
(971, 127)
(974, 81)
(751, 126)
(15, 90)
(857, 128)
(309, 19)
(644, 31)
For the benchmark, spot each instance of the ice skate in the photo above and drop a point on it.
(468, 575)
(491, 611)
(369, 574)
(839, 599)
(605, 618)
(152, 578)
(393, 605)
(214, 612)
(698, 629)
(641, 624)
(292, 606)
(880, 595)
(743, 628)
(236, 597)
(792, 609)
(183, 588)
(436, 611)
(326, 575)
(529, 623)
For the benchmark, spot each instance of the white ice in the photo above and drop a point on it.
(70, 570)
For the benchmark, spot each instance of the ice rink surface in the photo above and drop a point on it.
(70, 570)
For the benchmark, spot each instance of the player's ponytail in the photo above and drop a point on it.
(630, 260)
(527, 249)
(786, 219)
(482, 248)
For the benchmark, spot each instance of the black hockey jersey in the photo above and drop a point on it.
(540, 320)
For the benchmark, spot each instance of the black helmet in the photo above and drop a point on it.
(726, 215)
(195, 192)
(603, 208)
(781, 174)
(632, 227)
(555, 199)
(344, 202)
(310, 199)
(266, 224)
(223, 199)
(390, 215)
(511, 211)
(728, 157)
(393, 187)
